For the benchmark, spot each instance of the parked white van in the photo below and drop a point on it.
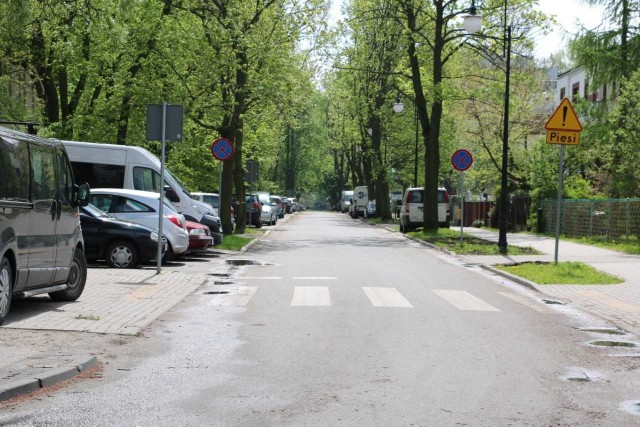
(345, 201)
(360, 201)
(134, 168)
(411, 213)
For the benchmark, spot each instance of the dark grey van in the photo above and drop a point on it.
(41, 246)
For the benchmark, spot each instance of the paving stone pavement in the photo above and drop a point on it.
(619, 304)
(113, 302)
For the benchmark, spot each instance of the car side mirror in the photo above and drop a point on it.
(171, 194)
(82, 193)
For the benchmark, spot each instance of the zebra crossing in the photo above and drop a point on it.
(320, 296)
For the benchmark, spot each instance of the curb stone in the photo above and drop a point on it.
(522, 281)
(47, 378)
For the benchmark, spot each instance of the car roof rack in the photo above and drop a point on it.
(31, 126)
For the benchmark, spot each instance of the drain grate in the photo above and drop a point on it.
(219, 274)
(223, 282)
(216, 292)
(553, 302)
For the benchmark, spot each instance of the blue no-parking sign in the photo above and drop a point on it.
(222, 149)
(461, 160)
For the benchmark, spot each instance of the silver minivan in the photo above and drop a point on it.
(41, 245)
(411, 213)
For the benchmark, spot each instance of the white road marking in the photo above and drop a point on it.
(526, 301)
(311, 296)
(386, 297)
(463, 300)
(261, 278)
(314, 278)
(237, 297)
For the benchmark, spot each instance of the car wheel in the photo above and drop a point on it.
(75, 282)
(122, 254)
(275, 221)
(168, 254)
(403, 229)
(6, 288)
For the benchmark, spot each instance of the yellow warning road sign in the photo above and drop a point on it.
(564, 118)
(563, 137)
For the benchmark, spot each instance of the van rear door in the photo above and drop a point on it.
(415, 203)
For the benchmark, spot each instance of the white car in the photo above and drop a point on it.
(142, 207)
(411, 213)
(212, 199)
(269, 213)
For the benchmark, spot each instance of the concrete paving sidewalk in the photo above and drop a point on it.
(115, 304)
(619, 304)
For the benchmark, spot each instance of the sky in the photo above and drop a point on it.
(567, 13)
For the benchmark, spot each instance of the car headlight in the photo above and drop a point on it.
(198, 232)
(153, 236)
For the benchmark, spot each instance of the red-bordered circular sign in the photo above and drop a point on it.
(222, 149)
(461, 160)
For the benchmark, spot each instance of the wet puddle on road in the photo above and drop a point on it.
(614, 344)
(244, 262)
(607, 331)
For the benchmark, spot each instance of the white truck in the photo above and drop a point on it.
(360, 201)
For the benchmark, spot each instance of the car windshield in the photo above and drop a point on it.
(166, 171)
(94, 212)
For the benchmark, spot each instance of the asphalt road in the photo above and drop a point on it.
(342, 323)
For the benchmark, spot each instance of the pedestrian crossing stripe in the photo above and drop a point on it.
(311, 296)
(463, 300)
(386, 297)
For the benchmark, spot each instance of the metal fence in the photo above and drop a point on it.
(610, 219)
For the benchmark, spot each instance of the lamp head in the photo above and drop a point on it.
(398, 106)
(472, 22)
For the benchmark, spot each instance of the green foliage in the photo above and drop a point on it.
(562, 273)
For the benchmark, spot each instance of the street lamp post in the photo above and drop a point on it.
(398, 107)
(472, 24)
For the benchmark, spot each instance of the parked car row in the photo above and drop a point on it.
(408, 206)
(50, 226)
(262, 208)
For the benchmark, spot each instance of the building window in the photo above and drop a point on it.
(575, 91)
(562, 93)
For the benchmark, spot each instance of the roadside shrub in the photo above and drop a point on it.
(478, 223)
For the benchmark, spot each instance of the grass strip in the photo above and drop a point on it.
(563, 273)
(450, 240)
(234, 243)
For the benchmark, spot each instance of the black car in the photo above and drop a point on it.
(121, 243)
(253, 209)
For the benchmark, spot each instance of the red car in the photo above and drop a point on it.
(199, 236)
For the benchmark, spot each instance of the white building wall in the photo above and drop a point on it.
(573, 83)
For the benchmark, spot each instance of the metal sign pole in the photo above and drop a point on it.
(161, 199)
(461, 208)
(559, 203)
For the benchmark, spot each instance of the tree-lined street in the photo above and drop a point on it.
(341, 323)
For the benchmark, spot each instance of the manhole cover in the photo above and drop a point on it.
(613, 344)
(242, 262)
(216, 292)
